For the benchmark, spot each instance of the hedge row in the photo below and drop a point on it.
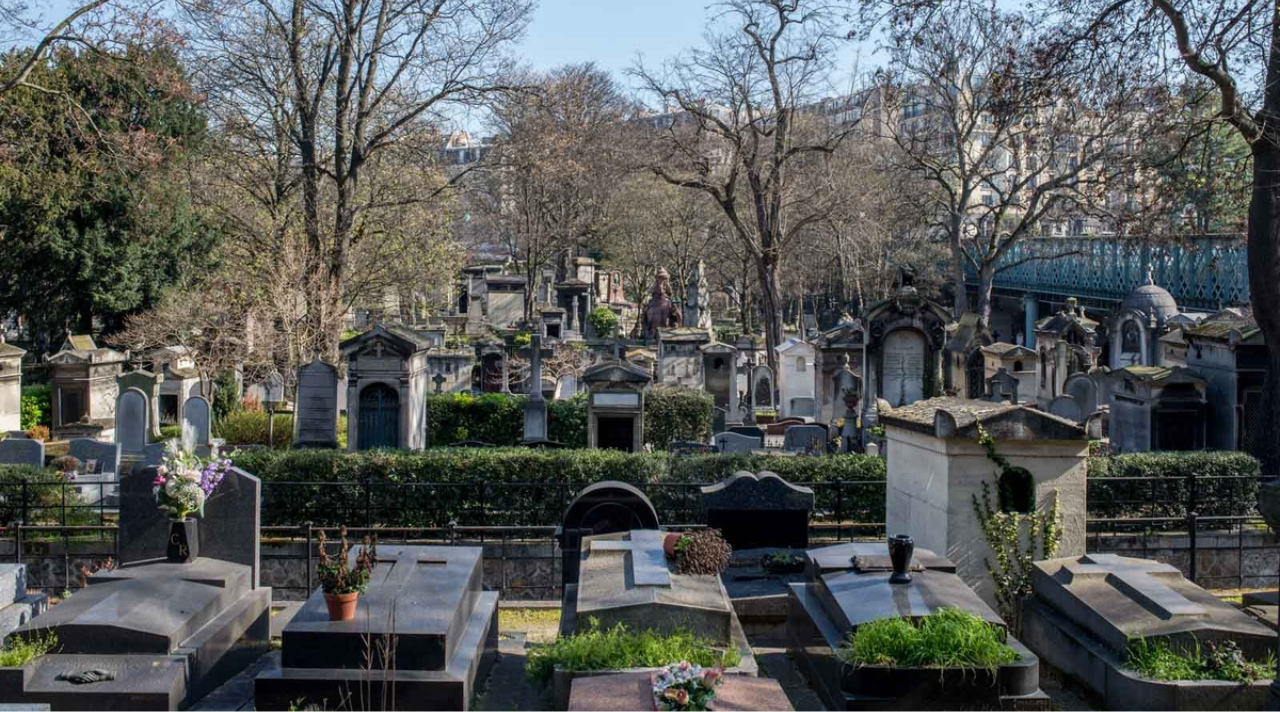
(40, 497)
(1169, 494)
(525, 487)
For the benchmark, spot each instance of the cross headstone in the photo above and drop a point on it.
(726, 443)
(439, 380)
(648, 562)
(535, 408)
(1139, 578)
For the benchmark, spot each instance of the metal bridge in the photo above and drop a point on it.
(1203, 274)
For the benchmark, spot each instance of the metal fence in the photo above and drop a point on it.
(60, 528)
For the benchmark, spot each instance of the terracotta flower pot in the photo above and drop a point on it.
(669, 545)
(342, 606)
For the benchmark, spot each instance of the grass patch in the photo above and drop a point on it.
(618, 648)
(539, 625)
(950, 638)
(20, 651)
(1215, 661)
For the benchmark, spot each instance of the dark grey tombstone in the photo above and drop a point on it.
(17, 435)
(603, 508)
(14, 451)
(803, 407)
(152, 455)
(196, 415)
(805, 438)
(751, 431)
(1002, 387)
(718, 417)
(316, 414)
(132, 420)
(738, 505)
(105, 456)
(229, 530)
(1066, 407)
(731, 443)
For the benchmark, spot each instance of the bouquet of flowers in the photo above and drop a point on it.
(183, 481)
(683, 686)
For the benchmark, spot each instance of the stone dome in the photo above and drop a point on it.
(1153, 300)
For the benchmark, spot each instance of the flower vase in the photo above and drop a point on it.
(342, 606)
(901, 547)
(184, 541)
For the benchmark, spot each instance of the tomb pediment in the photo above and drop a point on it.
(616, 372)
(385, 340)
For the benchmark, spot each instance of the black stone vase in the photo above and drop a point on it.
(901, 547)
(184, 541)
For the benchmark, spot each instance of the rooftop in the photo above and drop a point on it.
(950, 417)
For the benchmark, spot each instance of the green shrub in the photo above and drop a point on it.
(37, 408)
(225, 401)
(250, 427)
(566, 421)
(617, 649)
(675, 414)
(43, 498)
(950, 638)
(170, 432)
(603, 320)
(1221, 498)
(1215, 661)
(19, 651)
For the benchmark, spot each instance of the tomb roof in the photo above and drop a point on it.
(685, 334)
(1219, 328)
(958, 417)
(7, 350)
(1005, 350)
(1151, 299)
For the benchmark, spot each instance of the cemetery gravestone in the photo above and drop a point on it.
(316, 419)
(431, 599)
(804, 407)
(730, 443)
(99, 468)
(15, 451)
(169, 633)
(1065, 407)
(602, 508)
(16, 605)
(737, 505)
(902, 364)
(847, 585)
(751, 431)
(132, 421)
(805, 438)
(535, 406)
(1087, 610)
(197, 417)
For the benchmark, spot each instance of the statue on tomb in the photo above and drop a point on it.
(661, 313)
(698, 305)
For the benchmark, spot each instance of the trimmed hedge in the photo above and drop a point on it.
(249, 427)
(42, 498)
(467, 485)
(1172, 489)
(675, 414)
(37, 406)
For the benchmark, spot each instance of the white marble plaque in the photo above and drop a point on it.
(617, 400)
(903, 367)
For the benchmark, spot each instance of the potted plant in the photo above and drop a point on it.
(68, 465)
(342, 582)
(182, 485)
(683, 686)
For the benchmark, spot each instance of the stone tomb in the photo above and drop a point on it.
(99, 468)
(847, 585)
(16, 605)
(316, 423)
(737, 505)
(445, 626)
(1086, 610)
(625, 578)
(729, 443)
(602, 508)
(169, 632)
(21, 451)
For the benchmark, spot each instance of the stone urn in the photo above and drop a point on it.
(184, 541)
(901, 547)
(342, 606)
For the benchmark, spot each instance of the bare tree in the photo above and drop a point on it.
(1010, 142)
(745, 122)
(317, 93)
(552, 167)
(18, 23)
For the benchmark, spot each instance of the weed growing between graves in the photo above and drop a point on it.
(20, 651)
(950, 638)
(619, 648)
(1215, 661)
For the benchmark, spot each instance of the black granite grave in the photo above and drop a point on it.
(427, 599)
(847, 585)
(754, 511)
(603, 508)
(168, 633)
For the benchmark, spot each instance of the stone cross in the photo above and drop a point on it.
(536, 353)
(403, 566)
(573, 317)
(648, 562)
(1139, 579)
(439, 380)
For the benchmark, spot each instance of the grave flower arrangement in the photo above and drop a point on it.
(68, 466)
(184, 482)
(684, 686)
(341, 582)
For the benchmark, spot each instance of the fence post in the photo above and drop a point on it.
(1191, 530)
(308, 593)
(17, 540)
(839, 507)
(368, 502)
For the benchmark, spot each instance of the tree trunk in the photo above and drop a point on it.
(961, 304)
(1264, 278)
(771, 308)
(986, 280)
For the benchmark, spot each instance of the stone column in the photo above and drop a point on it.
(1031, 303)
(734, 416)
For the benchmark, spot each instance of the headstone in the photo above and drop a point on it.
(132, 421)
(903, 365)
(169, 633)
(439, 380)
(1082, 388)
(430, 599)
(762, 388)
(316, 412)
(602, 508)
(535, 406)
(733, 443)
(751, 431)
(1087, 611)
(1066, 407)
(847, 585)
(737, 506)
(805, 407)
(566, 387)
(806, 438)
(14, 451)
(16, 605)
(99, 468)
(198, 418)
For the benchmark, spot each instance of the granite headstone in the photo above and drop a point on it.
(602, 508)
(763, 510)
(15, 451)
(805, 438)
(316, 422)
(729, 443)
(132, 421)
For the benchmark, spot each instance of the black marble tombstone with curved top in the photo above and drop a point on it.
(603, 508)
